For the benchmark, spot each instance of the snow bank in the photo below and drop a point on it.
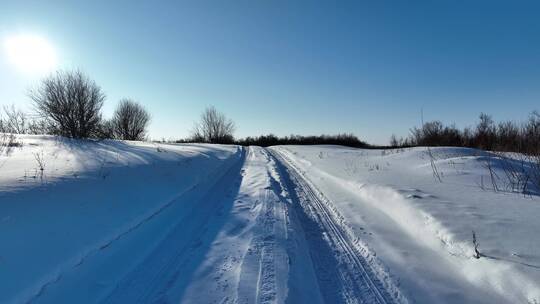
(90, 194)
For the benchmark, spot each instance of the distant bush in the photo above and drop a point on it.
(349, 140)
(69, 103)
(530, 135)
(521, 170)
(13, 121)
(16, 121)
(129, 121)
(485, 136)
(213, 127)
(434, 133)
(507, 136)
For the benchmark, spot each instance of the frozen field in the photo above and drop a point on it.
(131, 222)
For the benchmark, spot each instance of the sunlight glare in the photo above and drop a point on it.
(30, 54)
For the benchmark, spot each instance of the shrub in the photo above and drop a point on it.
(506, 136)
(530, 134)
(70, 104)
(129, 121)
(434, 133)
(14, 121)
(214, 127)
(485, 135)
(349, 140)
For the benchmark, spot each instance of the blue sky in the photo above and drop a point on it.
(366, 67)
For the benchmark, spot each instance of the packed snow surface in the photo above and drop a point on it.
(421, 227)
(132, 222)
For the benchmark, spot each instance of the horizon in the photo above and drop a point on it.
(286, 68)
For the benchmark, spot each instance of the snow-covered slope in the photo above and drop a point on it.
(421, 229)
(131, 222)
(90, 195)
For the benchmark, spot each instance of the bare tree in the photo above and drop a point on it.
(214, 127)
(130, 120)
(70, 103)
(485, 132)
(15, 121)
(530, 135)
(508, 136)
(394, 142)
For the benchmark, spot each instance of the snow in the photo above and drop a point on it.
(91, 194)
(421, 229)
(132, 222)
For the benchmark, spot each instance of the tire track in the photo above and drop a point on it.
(264, 253)
(344, 275)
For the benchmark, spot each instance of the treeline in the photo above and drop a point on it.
(69, 104)
(506, 136)
(349, 140)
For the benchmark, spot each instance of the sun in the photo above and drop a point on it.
(30, 54)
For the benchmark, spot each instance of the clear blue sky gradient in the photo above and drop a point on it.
(366, 67)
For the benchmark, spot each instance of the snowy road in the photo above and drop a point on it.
(344, 275)
(260, 233)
